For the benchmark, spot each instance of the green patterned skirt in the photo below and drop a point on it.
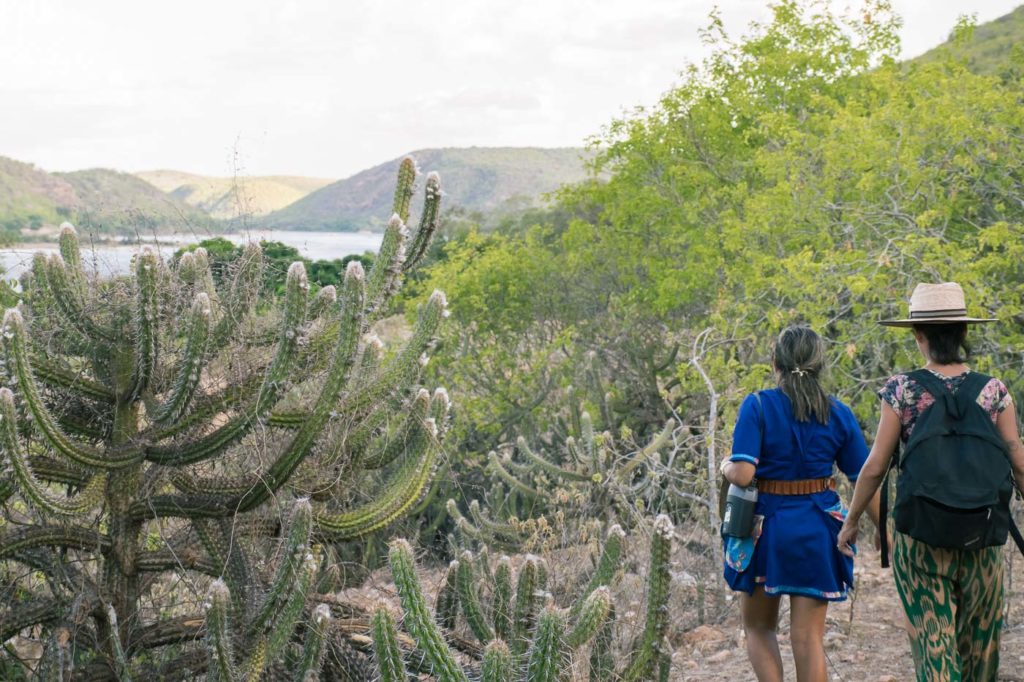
(954, 602)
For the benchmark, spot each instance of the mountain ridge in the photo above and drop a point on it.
(473, 178)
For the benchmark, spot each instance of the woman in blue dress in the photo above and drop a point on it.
(790, 438)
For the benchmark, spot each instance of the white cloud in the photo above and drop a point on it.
(327, 88)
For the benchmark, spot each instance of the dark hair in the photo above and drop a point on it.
(946, 341)
(799, 358)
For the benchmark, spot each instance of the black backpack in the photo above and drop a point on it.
(955, 481)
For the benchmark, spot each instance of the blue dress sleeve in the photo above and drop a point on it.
(746, 437)
(854, 450)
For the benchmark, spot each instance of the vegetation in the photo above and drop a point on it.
(158, 424)
(159, 428)
(990, 49)
(523, 634)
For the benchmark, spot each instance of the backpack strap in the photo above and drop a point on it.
(883, 509)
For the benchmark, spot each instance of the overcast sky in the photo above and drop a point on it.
(330, 87)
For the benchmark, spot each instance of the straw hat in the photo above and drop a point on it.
(936, 304)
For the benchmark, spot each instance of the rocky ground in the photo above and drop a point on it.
(865, 640)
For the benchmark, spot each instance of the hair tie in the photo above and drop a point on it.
(798, 370)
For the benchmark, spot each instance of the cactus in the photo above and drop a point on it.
(653, 650)
(545, 652)
(390, 664)
(498, 664)
(545, 638)
(245, 637)
(590, 476)
(159, 422)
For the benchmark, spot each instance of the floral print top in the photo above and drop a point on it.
(910, 399)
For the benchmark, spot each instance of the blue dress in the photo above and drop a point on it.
(796, 552)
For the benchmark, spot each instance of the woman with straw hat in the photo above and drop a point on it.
(952, 596)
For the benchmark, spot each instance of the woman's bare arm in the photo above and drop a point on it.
(1006, 423)
(865, 493)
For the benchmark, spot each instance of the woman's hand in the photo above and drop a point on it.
(847, 538)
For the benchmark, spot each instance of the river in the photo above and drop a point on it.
(108, 259)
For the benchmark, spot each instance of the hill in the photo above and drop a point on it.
(110, 201)
(104, 200)
(488, 179)
(228, 198)
(991, 48)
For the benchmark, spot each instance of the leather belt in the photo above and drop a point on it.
(806, 486)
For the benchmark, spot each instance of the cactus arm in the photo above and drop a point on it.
(290, 612)
(497, 665)
(15, 347)
(403, 369)
(352, 311)
(62, 293)
(297, 288)
(429, 222)
(511, 480)
(32, 489)
(469, 597)
(652, 644)
(176, 559)
(68, 537)
(292, 557)
(324, 302)
(548, 466)
(31, 612)
(501, 600)
(525, 605)
(405, 490)
(147, 313)
(228, 557)
(213, 485)
(386, 652)
(602, 653)
(190, 367)
(592, 616)
(500, 531)
(72, 255)
(418, 620)
(404, 188)
(313, 649)
(547, 656)
(410, 435)
(218, 635)
(658, 442)
(605, 569)
(64, 377)
(447, 602)
(387, 267)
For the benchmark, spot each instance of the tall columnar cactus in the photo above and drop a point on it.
(161, 422)
(543, 639)
(544, 659)
(589, 476)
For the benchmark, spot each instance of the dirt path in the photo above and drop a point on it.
(864, 640)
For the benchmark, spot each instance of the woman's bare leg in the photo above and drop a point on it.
(807, 632)
(761, 623)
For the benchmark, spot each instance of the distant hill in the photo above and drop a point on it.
(990, 51)
(488, 179)
(228, 198)
(103, 200)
